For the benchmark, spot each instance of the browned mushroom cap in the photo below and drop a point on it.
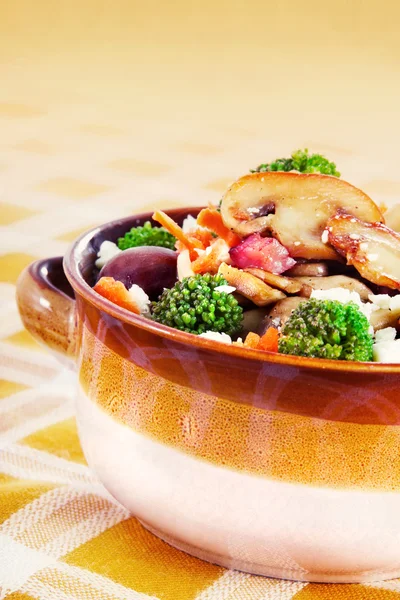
(309, 269)
(249, 286)
(372, 248)
(334, 281)
(294, 208)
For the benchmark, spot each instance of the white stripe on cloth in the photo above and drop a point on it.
(40, 590)
(28, 367)
(222, 589)
(10, 322)
(18, 563)
(25, 519)
(280, 589)
(234, 583)
(34, 409)
(7, 296)
(62, 412)
(392, 585)
(44, 464)
(77, 583)
(29, 463)
(38, 510)
(61, 382)
(21, 399)
(86, 530)
(19, 353)
(40, 575)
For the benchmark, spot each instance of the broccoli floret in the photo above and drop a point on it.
(280, 164)
(195, 306)
(327, 329)
(147, 235)
(301, 161)
(313, 163)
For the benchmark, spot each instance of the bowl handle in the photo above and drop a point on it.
(47, 307)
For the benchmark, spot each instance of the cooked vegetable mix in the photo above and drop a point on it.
(294, 260)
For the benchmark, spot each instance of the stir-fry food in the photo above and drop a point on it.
(293, 260)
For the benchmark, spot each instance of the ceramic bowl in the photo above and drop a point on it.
(276, 465)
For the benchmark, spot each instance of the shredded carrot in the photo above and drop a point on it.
(269, 341)
(197, 235)
(212, 219)
(252, 340)
(205, 263)
(169, 224)
(203, 235)
(116, 292)
(210, 263)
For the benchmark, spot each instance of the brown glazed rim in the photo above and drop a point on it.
(71, 262)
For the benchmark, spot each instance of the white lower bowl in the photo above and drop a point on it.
(243, 521)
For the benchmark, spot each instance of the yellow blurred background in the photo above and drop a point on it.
(290, 69)
(108, 106)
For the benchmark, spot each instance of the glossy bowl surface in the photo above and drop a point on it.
(276, 465)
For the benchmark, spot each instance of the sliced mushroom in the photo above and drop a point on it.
(300, 205)
(372, 248)
(280, 313)
(290, 286)
(384, 318)
(334, 281)
(249, 286)
(309, 269)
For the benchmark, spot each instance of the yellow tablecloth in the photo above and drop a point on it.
(110, 108)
